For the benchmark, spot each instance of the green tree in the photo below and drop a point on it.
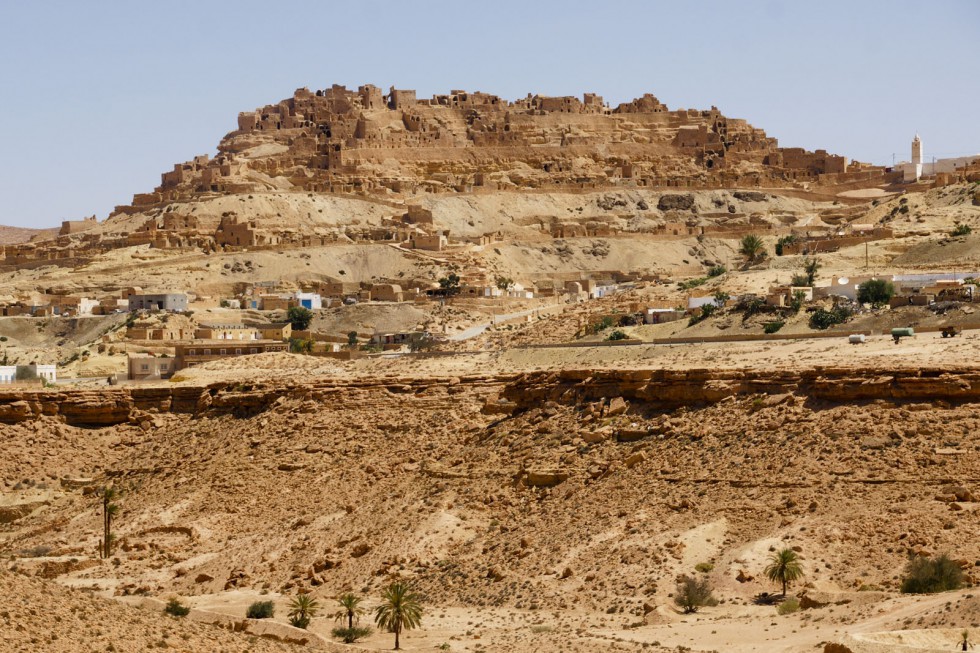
(302, 609)
(350, 609)
(929, 575)
(752, 248)
(108, 495)
(352, 338)
(450, 284)
(720, 298)
(784, 567)
(876, 292)
(692, 594)
(504, 283)
(810, 268)
(300, 317)
(400, 610)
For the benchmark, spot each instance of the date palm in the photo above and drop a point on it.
(350, 609)
(108, 495)
(752, 248)
(400, 610)
(302, 609)
(784, 567)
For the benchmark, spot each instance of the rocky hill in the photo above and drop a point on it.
(340, 140)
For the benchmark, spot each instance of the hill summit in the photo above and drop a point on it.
(365, 141)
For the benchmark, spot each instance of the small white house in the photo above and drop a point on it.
(47, 372)
(8, 373)
(310, 300)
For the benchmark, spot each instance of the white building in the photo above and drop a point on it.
(310, 300)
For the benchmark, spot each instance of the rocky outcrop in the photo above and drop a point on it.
(510, 393)
(674, 388)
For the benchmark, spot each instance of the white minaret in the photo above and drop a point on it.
(913, 171)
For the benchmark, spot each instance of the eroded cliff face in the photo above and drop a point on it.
(657, 389)
(670, 389)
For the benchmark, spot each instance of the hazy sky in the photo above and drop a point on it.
(99, 98)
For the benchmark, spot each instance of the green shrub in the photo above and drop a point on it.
(704, 567)
(824, 319)
(617, 335)
(350, 635)
(717, 271)
(692, 594)
(176, 608)
(749, 306)
(261, 610)
(692, 283)
(789, 606)
(773, 327)
(961, 230)
(929, 575)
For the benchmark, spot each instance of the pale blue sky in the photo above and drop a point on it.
(100, 97)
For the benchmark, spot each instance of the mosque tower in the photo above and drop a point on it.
(913, 171)
(917, 150)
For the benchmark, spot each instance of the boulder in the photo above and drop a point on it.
(617, 406)
(545, 478)
(676, 202)
(634, 459)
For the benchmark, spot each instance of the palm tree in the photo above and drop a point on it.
(752, 248)
(108, 494)
(350, 609)
(302, 609)
(400, 609)
(784, 567)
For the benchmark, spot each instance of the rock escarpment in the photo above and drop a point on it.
(659, 389)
